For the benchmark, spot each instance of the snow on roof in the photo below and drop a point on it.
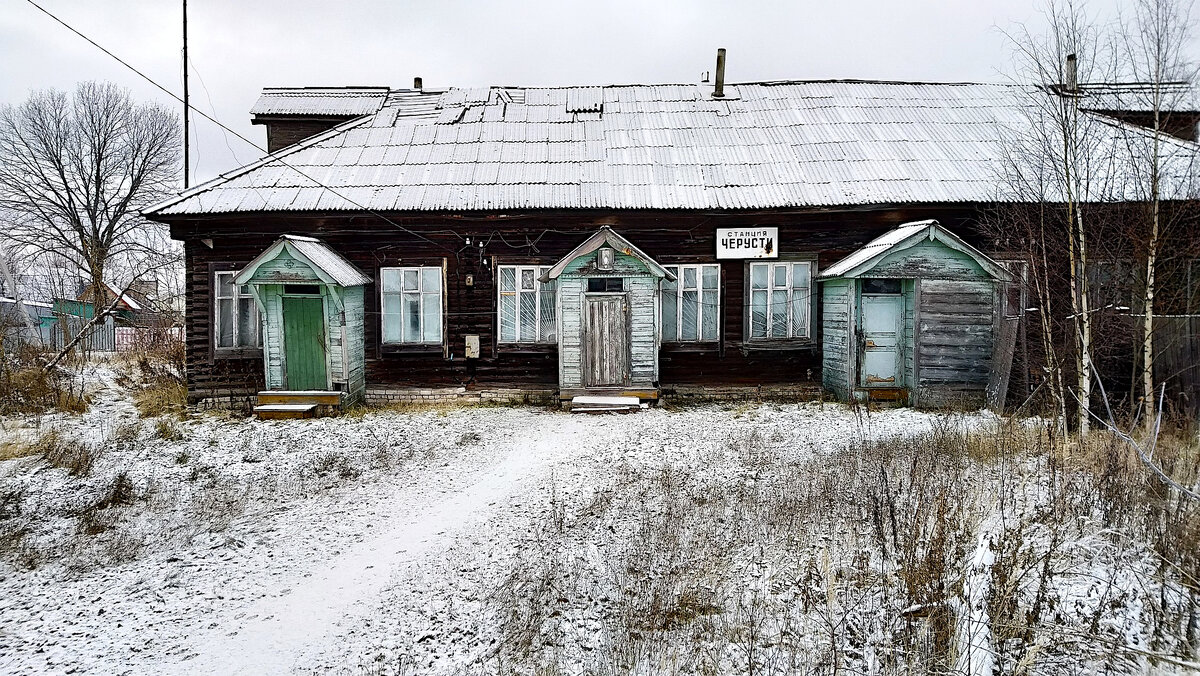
(30, 303)
(1138, 97)
(864, 259)
(320, 101)
(765, 145)
(875, 247)
(326, 262)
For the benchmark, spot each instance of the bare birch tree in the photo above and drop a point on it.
(75, 172)
(1155, 40)
(1059, 162)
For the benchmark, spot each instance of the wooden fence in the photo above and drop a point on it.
(100, 338)
(1177, 360)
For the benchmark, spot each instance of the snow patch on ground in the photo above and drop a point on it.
(273, 546)
(378, 544)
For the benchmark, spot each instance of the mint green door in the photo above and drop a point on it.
(881, 332)
(304, 343)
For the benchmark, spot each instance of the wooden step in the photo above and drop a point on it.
(601, 404)
(285, 411)
(565, 394)
(321, 397)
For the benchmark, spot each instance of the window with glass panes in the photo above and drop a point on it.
(411, 305)
(780, 300)
(526, 305)
(237, 319)
(691, 305)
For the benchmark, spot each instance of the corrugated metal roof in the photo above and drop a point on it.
(317, 101)
(767, 145)
(875, 247)
(865, 259)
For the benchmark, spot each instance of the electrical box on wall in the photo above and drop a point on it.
(604, 259)
(469, 281)
(472, 348)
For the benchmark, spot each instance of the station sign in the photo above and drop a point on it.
(742, 243)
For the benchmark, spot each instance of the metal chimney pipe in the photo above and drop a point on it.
(417, 84)
(719, 89)
(1072, 74)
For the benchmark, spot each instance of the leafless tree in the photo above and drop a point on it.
(1154, 48)
(1057, 157)
(75, 172)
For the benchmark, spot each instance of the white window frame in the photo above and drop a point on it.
(702, 298)
(794, 333)
(237, 297)
(538, 291)
(422, 300)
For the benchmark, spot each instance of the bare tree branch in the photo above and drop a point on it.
(75, 172)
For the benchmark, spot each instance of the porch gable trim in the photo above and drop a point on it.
(606, 235)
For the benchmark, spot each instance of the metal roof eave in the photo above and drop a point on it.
(856, 264)
(244, 275)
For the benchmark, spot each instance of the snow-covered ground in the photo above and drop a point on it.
(387, 543)
(269, 547)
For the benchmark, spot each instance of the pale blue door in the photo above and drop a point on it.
(881, 340)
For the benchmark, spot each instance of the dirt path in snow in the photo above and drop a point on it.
(396, 564)
(280, 628)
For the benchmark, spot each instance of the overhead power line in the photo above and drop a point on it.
(217, 122)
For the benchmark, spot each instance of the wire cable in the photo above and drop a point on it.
(212, 119)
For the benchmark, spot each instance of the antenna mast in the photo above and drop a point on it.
(186, 144)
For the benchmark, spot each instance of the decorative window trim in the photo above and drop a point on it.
(235, 351)
(423, 298)
(705, 297)
(539, 292)
(792, 340)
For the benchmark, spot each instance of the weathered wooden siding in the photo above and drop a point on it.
(956, 342)
(286, 268)
(928, 259)
(837, 307)
(641, 288)
(283, 133)
(533, 237)
(354, 357)
(908, 357)
(272, 335)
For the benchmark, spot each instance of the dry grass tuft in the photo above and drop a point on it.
(168, 430)
(70, 454)
(166, 397)
(756, 561)
(26, 387)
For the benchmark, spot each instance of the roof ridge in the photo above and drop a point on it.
(765, 83)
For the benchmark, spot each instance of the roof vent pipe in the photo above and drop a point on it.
(719, 89)
(1072, 74)
(417, 84)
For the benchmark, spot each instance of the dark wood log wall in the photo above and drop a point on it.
(671, 237)
(283, 132)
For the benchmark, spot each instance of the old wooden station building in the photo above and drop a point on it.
(648, 240)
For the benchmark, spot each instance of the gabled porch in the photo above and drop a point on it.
(608, 309)
(311, 302)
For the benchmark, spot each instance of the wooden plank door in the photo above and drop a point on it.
(881, 335)
(304, 343)
(606, 341)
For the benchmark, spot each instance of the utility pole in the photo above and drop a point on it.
(186, 110)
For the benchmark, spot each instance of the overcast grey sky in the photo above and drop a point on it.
(237, 47)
